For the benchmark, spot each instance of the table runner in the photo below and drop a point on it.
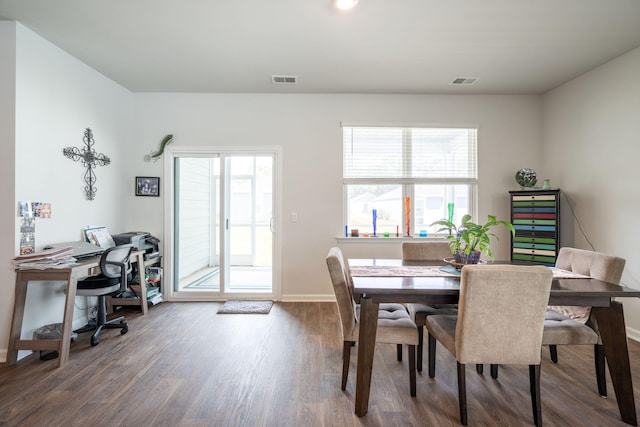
(558, 273)
(405, 271)
(435, 271)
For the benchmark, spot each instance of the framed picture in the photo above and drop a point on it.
(148, 186)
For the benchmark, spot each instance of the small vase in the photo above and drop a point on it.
(461, 258)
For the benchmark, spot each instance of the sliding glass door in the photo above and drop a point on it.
(223, 229)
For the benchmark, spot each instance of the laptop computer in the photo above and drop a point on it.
(81, 249)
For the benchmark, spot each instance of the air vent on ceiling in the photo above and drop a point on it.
(284, 80)
(464, 81)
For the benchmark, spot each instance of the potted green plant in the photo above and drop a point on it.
(469, 240)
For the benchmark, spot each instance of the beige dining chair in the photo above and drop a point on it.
(389, 308)
(510, 333)
(576, 325)
(394, 327)
(426, 251)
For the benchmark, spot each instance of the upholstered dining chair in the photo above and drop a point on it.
(385, 310)
(115, 272)
(576, 325)
(394, 327)
(426, 251)
(509, 333)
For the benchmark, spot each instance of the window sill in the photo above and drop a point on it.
(390, 239)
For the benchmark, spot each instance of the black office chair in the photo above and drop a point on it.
(115, 271)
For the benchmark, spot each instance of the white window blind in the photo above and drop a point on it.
(398, 154)
(384, 167)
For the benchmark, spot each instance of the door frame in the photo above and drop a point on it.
(170, 154)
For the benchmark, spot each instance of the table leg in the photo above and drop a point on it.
(16, 322)
(366, 347)
(614, 340)
(143, 283)
(67, 320)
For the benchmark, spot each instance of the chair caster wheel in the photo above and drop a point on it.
(94, 341)
(124, 330)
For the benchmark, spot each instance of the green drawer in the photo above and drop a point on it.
(537, 258)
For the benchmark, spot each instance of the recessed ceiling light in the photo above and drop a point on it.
(345, 4)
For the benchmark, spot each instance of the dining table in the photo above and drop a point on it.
(378, 281)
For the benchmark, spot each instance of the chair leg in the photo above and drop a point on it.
(399, 351)
(432, 356)
(479, 368)
(462, 393)
(420, 346)
(412, 370)
(102, 323)
(553, 352)
(346, 355)
(601, 373)
(534, 380)
(494, 371)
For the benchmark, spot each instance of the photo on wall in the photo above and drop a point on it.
(147, 186)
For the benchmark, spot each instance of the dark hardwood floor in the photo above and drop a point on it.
(185, 365)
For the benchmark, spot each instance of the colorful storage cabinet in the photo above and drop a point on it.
(535, 214)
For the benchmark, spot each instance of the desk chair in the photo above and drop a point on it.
(509, 333)
(115, 271)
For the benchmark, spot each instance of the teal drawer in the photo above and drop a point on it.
(534, 246)
(535, 221)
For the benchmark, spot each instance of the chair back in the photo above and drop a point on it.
(593, 264)
(115, 263)
(344, 299)
(425, 251)
(588, 263)
(501, 313)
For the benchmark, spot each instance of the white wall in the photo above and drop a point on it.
(590, 150)
(57, 97)
(7, 169)
(308, 129)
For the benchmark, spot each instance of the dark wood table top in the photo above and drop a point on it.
(575, 291)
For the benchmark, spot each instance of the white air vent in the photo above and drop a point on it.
(464, 81)
(284, 80)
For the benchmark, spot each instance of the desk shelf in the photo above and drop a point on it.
(137, 257)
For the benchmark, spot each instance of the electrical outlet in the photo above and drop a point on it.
(93, 313)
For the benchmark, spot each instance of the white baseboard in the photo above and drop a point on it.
(309, 298)
(633, 334)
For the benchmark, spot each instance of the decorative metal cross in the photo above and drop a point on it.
(90, 159)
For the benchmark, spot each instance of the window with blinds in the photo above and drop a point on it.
(431, 166)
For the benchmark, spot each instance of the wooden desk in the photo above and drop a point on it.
(84, 268)
(444, 290)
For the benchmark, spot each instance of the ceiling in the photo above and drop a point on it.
(381, 46)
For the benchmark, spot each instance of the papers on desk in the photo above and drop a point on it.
(52, 258)
(99, 236)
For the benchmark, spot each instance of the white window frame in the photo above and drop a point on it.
(408, 183)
